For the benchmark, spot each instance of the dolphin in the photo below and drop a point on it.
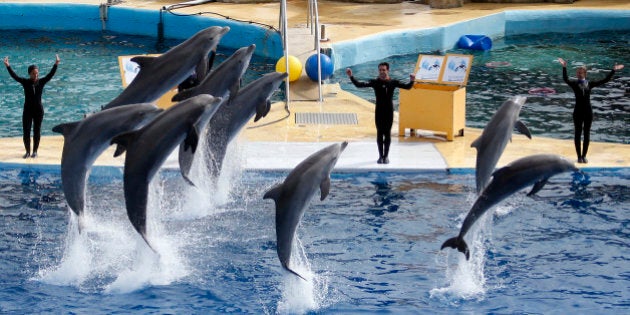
(147, 149)
(531, 170)
(225, 125)
(85, 140)
(494, 138)
(160, 74)
(293, 195)
(221, 82)
(225, 79)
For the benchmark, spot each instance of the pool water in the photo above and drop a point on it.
(533, 64)
(371, 246)
(88, 75)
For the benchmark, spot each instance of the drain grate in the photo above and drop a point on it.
(326, 118)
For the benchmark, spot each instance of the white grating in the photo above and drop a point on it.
(326, 118)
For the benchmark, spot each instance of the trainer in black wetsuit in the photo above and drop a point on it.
(384, 88)
(33, 113)
(583, 112)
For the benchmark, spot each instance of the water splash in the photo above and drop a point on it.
(108, 255)
(299, 296)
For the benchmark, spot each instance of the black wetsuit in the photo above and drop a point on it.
(33, 113)
(384, 111)
(583, 112)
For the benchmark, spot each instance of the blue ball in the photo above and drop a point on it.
(311, 67)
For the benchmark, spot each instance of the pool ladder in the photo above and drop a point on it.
(316, 30)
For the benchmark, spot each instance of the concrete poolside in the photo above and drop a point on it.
(282, 144)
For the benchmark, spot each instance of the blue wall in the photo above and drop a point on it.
(403, 42)
(86, 17)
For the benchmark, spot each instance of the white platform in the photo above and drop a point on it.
(358, 156)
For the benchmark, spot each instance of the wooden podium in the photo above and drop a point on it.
(437, 101)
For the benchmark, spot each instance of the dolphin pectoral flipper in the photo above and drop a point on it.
(274, 193)
(262, 110)
(123, 140)
(66, 129)
(185, 94)
(325, 188)
(192, 139)
(475, 144)
(459, 244)
(537, 187)
(520, 126)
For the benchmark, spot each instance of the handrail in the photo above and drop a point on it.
(312, 19)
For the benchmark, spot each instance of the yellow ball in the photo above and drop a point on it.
(295, 67)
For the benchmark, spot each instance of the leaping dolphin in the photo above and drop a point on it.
(494, 138)
(293, 195)
(148, 148)
(225, 79)
(531, 170)
(160, 74)
(225, 125)
(222, 82)
(85, 140)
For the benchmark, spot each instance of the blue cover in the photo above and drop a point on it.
(476, 42)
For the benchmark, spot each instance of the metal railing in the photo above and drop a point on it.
(312, 20)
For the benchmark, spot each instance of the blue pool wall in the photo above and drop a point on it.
(132, 21)
(439, 39)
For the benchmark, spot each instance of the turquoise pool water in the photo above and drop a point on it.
(88, 75)
(371, 247)
(533, 64)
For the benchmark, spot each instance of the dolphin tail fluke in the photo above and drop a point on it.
(459, 244)
(295, 273)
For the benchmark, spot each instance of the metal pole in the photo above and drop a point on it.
(283, 16)
(317, 52)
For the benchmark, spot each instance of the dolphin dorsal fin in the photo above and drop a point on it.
(123, 141)
(475, 144)
(537, 186)
(520, 126)
(192, 139)
(274, 193)
(66, 129)
(142, 61)
(325, 188)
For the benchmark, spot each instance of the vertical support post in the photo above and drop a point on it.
(283, 17)
(317, 51)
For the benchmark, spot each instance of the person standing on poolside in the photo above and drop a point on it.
(33, 112)
(583, 112)
(384, 87)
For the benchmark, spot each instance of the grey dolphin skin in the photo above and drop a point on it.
(251, 101)
(294, 194)
(148, 148)
(494, 138)
(222, 82)
(85, 140)
(531, 170)
(225, 79)
(160, 74)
